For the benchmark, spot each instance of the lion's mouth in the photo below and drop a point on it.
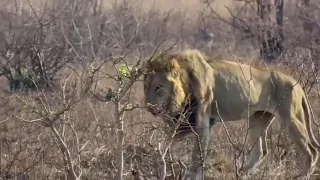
(161, 111)
(181, 120)
(154, 109)
(153, 113)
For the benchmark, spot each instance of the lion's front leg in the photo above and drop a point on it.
(202, 133)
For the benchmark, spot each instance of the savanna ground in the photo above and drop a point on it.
(70, 128)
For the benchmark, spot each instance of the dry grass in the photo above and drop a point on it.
(31, 151)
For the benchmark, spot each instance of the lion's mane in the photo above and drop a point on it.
(193, 72)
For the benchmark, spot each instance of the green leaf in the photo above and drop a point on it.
(124, 71)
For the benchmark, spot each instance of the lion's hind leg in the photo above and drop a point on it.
(299, 135)
(258, 125)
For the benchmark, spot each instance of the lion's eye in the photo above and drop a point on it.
(158, 88)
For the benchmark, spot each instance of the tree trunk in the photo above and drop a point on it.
(119, 119)
(312, 32)
(270, 28)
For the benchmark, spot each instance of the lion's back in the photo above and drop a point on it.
(236, 76)
(234, 68)
(247, 72)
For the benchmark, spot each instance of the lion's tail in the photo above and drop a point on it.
(308, 121)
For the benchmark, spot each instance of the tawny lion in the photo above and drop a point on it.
(230, 91)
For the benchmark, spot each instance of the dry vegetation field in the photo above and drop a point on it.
(70, 128)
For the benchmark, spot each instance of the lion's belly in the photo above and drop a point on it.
(235, 99)
(232, 111)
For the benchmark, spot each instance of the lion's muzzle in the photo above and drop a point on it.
(155, 109)
(160, 110)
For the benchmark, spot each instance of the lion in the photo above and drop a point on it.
(229, 91)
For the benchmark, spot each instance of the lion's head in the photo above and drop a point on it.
(170, 79)
(163, 86)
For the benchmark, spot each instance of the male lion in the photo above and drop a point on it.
(229, 91)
